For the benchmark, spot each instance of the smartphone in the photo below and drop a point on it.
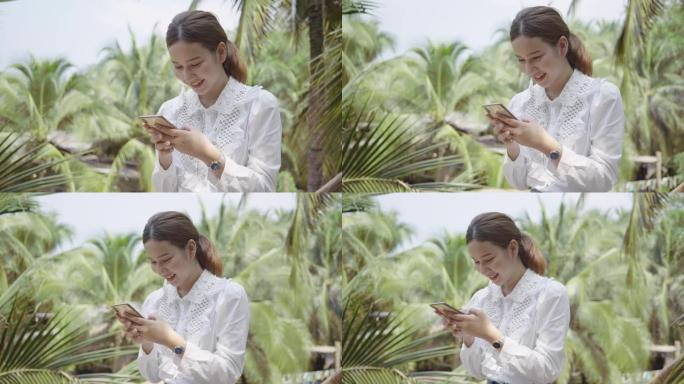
(153, 120)
(126, 309)
(444, 307)
(495, 109)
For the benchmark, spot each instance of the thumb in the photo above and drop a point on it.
(476, 312)
(186, 129)
(152, 317)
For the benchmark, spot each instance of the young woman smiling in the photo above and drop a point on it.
(229, 134)
(570, 132)
(197, 323)
(514, 329)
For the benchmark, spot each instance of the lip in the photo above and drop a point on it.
(493, 277)
(538, 79)
(197, 85)
(170, 278)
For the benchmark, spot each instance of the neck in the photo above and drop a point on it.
(185, 288)
(555, 89)
(507, 288)
(208, 99)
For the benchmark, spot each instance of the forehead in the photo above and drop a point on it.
(525, 46)
(182, 51)
(156, 249)
(481, 249)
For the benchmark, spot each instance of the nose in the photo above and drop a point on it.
(529, 69)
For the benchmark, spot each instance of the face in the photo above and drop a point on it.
(495, 263)
(174, 264)
(542, 62)
(197, 66)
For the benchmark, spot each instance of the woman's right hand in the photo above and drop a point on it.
(132, 333)
(456, 332)
(503, 134)
(161, 144)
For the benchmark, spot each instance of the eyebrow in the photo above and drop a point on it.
(531, 53)
(483, 256)
(194, 58)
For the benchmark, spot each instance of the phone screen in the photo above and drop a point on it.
(444, 307)
(127, 309)
(157, 120)
(495, 109)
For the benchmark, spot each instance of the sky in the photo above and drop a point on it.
(472, 22)
(430, 214)
(78, 29)
(92, 214)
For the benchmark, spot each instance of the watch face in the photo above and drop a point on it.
(554, 155)
(496, 344)
(215, 166)
(178, 350)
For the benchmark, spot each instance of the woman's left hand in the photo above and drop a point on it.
(186, 140)
(476, 323)
(155, 331)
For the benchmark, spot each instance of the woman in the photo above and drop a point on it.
(197, 323)
(229, 134)
(569, 136)
(514, 329)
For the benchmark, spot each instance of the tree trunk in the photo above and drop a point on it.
(316, 46)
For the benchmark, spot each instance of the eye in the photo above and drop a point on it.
(195, 65)
(177, 67)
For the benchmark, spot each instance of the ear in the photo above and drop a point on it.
(222, 52)
(513, 248)
(191, 248)
(563, 45)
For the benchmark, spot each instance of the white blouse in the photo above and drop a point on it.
(244, 124)
(213, 318)
(534, 319)
(588, 120)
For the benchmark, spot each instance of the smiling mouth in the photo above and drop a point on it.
(171, 277)
(539, 78)
(493, 277)
(197, 84)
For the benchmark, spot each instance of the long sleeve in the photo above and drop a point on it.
(544, 362)
(165, 180)
(224, 366)
(598, 171)
(264, 130)
(471, 358)
(148, 364)
(515, 171)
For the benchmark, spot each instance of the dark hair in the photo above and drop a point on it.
(499, 229)
(203, 27)
(178, 229)
(547, 24)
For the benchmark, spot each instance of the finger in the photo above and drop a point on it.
(166, 130)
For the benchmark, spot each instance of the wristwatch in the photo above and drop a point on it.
(555, 155)
(216, 164)
(497, 344)
(178, 350)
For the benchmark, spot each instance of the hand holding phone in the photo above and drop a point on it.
(127, 311)
(499, 109)
(446, 308)
(153, 120)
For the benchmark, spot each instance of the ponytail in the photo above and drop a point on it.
(208, 257)
(234, 66)
(578, 56)
(530, 255)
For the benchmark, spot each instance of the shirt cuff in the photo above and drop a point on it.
(192, 355)
(148, 361)
(565, 163)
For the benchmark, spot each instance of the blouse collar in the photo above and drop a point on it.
(570, 89)
(226, 96)
(203, 287)
(521, 289)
